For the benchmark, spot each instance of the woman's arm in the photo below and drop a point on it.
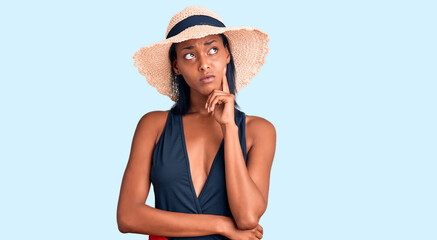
(144, 219)
(248, 187)
(134, 216)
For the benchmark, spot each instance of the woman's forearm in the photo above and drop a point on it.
(144, 219)
(245, 199)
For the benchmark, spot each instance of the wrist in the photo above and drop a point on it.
(229, 127)
(224, 226)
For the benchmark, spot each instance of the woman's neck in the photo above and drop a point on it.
(197, 104)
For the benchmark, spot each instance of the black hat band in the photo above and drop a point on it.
(193, 21)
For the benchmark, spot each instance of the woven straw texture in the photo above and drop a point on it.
(249, 47)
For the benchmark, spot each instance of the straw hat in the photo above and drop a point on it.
(247, 44)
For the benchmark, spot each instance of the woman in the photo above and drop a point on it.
(209, 163)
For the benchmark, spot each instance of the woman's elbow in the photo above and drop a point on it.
(122, 229)
(122, 226)
(247, 223)
(123, 222)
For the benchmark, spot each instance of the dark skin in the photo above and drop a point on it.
(209, 120)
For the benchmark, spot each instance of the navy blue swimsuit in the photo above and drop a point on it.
(171, 175)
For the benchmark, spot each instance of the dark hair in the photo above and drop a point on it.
(181, 89)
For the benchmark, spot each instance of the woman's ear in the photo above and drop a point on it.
(228, 56)
(175, 67)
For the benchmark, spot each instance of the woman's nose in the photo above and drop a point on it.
(203, 63)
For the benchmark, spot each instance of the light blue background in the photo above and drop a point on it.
(349, 85)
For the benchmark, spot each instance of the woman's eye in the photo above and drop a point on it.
(215, 50)
(189, 54)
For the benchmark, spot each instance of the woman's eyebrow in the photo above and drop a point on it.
(207, 43)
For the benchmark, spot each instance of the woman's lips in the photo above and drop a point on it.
(207, 79)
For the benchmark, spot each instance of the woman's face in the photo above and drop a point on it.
(196, 58)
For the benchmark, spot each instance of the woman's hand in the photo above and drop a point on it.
(220, 103)
(252, 234)
(232, 232)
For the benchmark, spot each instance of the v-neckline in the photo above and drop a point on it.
(189, 165)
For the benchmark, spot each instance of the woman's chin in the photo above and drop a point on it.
(206, 90)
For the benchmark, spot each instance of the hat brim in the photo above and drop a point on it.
(249, 47)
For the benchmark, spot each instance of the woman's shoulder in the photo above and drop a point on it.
(156, 114)
(154, 117)
(257, 126)
(257, 121)
(258, 129)
(155, 121)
